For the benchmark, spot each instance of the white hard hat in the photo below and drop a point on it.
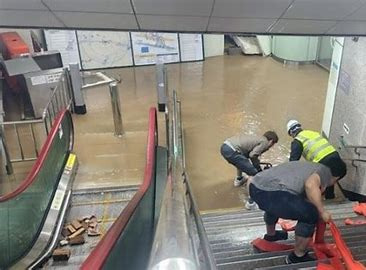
(291, 124)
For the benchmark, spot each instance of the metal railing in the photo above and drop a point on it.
(355, 149)
(60, 99)
(174, 244)
(114, 94)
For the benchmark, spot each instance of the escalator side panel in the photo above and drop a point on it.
(160, 179)
(132, 249)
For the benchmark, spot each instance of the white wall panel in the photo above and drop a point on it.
(98, 20)
(174, 7)
(250, 8)
(172, 23)
(117, 6)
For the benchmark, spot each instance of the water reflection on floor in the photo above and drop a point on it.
(220, 97)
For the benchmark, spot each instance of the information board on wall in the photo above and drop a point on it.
(65, 42)
(191, 47)
(150, 46)
(104, 49)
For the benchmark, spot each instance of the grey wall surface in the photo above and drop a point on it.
(350, 110)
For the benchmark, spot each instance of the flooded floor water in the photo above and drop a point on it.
(220, 97)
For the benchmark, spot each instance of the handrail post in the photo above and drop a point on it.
(116, 109)
(9, 165)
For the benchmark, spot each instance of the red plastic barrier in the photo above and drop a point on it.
(12, 45)
(346, 254)
(360, 208)
(349, 221)
(267, 246)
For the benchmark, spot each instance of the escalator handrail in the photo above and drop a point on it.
(98, 256)
(37, 166)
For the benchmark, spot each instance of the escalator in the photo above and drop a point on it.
(32, 215)
(29, 214)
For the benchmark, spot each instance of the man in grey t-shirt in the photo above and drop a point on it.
(293, 190)
(243, 152)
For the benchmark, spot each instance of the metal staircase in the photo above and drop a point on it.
(230, 234)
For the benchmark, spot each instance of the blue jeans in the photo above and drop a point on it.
(282, 204)
(237, 159)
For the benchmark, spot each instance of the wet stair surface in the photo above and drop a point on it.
(230, 234)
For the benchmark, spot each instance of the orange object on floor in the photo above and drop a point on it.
(267, 246)
(349, 221)
(12, 47)
(287, 225)
(360, 208)
(350, 262)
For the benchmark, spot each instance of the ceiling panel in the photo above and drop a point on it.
(172, 23)
(250, 8)
(322, 10)
(174, 7)
(302, 26)
(113, 6)
(22, 4)
(239, 25)
(349, 28)
(28, 18)
(98, 20)
(359, 14)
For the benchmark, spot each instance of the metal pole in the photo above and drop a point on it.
(116, 109)
(9, 165)
(161, 86)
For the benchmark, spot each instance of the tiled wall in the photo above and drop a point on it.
(349, 115)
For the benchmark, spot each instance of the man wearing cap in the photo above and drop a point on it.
(313, 147)
(293, 190)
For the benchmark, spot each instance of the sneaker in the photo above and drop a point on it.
(239, 181)
(279, 235)
(251, 205)
(292, 258)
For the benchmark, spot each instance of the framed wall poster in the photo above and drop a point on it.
(104, 49)
(65, 42)
(149, 46)
(191, 47)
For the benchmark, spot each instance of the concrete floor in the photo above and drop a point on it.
(220, 97)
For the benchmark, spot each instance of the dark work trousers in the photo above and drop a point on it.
(237, 159)
(332, 160)
(283, 204)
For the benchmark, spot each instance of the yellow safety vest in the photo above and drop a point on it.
(315, 147)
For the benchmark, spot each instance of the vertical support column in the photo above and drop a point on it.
(116, 109)
(161, 86)
(5, 152)
(76, 83)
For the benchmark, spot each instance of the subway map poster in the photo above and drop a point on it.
(152, 47)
